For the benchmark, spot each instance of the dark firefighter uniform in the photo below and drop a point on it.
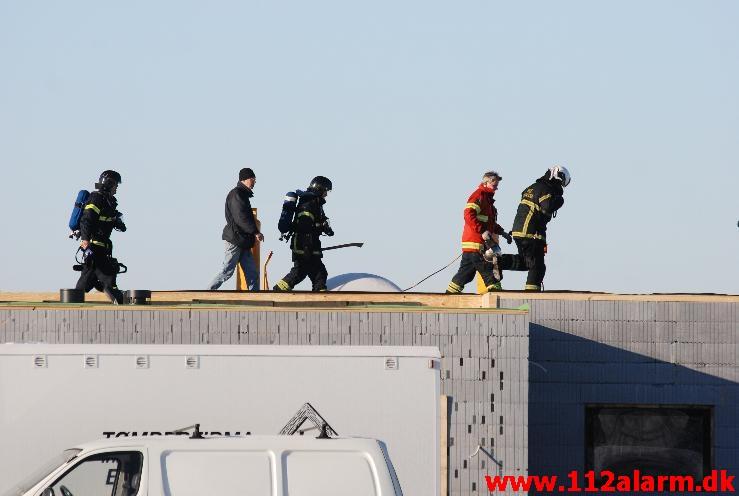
(100, 269)
(310, 222)
(539, 203)
(480, 215)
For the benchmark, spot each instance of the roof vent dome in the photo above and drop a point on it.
(362, 282)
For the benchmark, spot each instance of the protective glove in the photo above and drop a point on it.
(118, 224)
(487, 236)
(327, 228)
(87, 254)
(507, 237)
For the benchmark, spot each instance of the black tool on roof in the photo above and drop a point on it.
(345, 245)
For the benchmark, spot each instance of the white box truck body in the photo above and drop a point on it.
(53, 397)
(229, 466)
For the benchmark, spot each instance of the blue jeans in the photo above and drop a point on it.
(237, 255)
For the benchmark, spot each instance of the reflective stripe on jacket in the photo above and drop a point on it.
(538, 202)
(480, 215)
(308, 226)
(98, 218)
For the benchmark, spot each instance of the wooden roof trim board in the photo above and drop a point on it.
(587, 296)
(267, 298)
(185, 307)
(345, 300)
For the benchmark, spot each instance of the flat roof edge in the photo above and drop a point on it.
(347, 301)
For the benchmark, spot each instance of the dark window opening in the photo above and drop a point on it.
(656, 440)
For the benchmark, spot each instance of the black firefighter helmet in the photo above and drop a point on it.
(108, 179)
(320, 184)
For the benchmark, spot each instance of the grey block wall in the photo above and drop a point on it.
(582, 352)
(484, 367)
(632, 352)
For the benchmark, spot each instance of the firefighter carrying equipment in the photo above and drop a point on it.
(480, 222)
(480, 215)
(309, 224)
(99, 218)
(539, 203)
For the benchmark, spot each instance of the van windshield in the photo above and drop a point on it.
(21, 487)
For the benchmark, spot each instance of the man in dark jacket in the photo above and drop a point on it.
(539, 203)
(240, 233)
(310, 222)
(98, 220)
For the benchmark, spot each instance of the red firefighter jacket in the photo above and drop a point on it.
(480, 215)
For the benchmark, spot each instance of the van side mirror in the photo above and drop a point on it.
(48, 492)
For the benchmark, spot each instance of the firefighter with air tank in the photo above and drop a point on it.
(307, 222)
(98, 219)
(304, 221)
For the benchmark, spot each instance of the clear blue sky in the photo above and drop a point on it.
(403, 105)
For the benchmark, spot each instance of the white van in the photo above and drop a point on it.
(249, 465)
(56, 396)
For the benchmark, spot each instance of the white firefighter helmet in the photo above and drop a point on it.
(561, 173)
